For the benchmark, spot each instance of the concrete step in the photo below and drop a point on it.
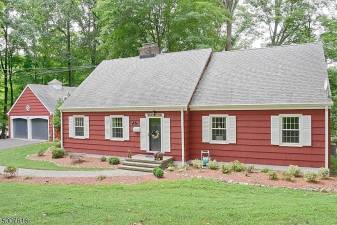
(143, 160)
(140, 164)
(136, 168)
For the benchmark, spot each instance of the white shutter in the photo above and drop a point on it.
(166, 135)
(231, 127)
(126, 128)
(144, 134)
(305, 130)
(275, 130)
(71, 127)
(205, 129)
(86, 127)
(107, 126)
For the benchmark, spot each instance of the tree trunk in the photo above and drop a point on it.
(229, 36)
(5, 71)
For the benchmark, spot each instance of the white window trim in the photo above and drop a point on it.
(113, 138)
(79, 116)
(161, 116)
(211, 141)
(283, 144)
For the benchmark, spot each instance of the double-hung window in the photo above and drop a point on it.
(117, 127)
(290, 130)
(218, 128)
(79, 126)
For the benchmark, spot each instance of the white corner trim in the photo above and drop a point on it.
(182, 137)
(326, 139)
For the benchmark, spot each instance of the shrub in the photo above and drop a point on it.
(57, 144)
(333, 165)
(226, 169)
(158, 172)
(272, 175)
(334, 140)
(57, 153)
(295, 171)
(288, 176)
(101, 177)
(10, 171)
(311, 177)
(103, 159)
(324, 173)
(171, 168)
(250, 169)
(213, 165)
(114, 161)
(237, 166)
(196, 163)
(40, 153)
(265, 170)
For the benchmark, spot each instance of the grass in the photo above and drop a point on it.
(185, 202)
(17, 157)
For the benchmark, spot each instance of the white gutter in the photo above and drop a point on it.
(326, 134)
(61, 134)
(182, 137)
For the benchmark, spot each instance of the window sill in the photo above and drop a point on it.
(291, 145)
(116, 139)
(79, 137)
(219, 142)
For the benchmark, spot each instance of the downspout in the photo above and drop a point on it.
(326, 135)
(61, 131)
(182, 137)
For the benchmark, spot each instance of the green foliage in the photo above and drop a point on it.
(250, 169)
(237, 166)
(57, 115)
(333, 165)
(114, 161)
(57, 144)
(333, 86)
(288, 176)
(213, 165)
(100, 178)
(10, 171)
(265, 170)
(41, 152)
(57, 153)
(324, 173)
(272, 175)
(196, 163)
(226, 169)
(158, 172)
(311, 177)
(295, 171)
(329, 37)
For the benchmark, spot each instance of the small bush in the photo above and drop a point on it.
(272, 175)
(57, 144)
(114, 161)
(288, 176)
(40, 153)
(237, 166)
(196, 163)
(213, 165)
(171, 168)
(57, 153)
(334, 140)
(101, 177)
(295, 171)
(10, 171)
(226, 169)
(265, 170)
(250, 169)
(311, 177)
(158, 172)
(324, 173)
(103, 159)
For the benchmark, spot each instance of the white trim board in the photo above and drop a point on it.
(125, 109)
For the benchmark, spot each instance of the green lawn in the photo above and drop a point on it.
(17, 157)
(166, 202)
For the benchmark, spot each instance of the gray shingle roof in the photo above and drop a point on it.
(165, 80)
(280, 75)
(49, 95)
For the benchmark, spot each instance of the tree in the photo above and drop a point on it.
(329, 37)
(288, 21)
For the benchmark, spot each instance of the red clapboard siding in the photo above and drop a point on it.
(36, 108)
(97, 144)
(253, 139)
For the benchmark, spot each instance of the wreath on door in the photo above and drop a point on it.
(155, 134)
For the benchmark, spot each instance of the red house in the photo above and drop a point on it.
(261, 106)
(31, 116)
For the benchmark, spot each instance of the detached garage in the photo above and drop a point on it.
(31, 115)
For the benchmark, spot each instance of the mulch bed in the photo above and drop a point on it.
(88, 162)
(256, 178)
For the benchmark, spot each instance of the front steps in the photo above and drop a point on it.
(144, 163)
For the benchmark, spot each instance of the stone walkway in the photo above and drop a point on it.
(54, 173)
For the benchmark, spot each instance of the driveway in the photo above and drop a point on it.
(12, 143)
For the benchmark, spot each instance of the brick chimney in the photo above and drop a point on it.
(149, 50)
